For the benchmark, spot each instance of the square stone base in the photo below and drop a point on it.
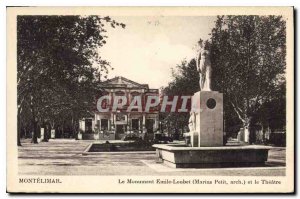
(179, 156)
(207, 110)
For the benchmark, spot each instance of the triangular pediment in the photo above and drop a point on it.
(122, 81)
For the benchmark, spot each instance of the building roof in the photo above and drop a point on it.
(120, 81)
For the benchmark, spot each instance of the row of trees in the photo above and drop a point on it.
(56, 74)
(57, 80)
(248, 61)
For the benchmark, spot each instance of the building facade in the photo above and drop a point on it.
(114, 125)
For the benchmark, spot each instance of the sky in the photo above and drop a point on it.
(147, 49)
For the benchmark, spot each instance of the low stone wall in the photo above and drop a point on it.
(179, 156)
(92, 136)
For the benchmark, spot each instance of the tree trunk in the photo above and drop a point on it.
(263, 134)
(19, 128)
(62, 130)
(46, 134)
(75, 129)
(247, 124)
(19, 137)
(246, 133)
(35, 131)
(34, 123)
(74, 132)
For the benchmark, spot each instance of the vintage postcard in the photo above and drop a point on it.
(150, 100)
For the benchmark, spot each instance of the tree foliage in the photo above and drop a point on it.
(55, 72)
(248, 67)
(248, 59)
(185, 81)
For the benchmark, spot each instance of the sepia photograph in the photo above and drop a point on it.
(150, 99)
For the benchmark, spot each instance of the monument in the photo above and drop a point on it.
(207, 106)
(206, 130)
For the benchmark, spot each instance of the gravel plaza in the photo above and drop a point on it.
(64, 157)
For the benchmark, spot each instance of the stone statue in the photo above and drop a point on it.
(192, 122)
(192, 128)
(203, 67)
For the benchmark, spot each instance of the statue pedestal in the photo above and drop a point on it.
(207, 110)
(206, 135)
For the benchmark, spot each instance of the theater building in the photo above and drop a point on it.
(114, 125)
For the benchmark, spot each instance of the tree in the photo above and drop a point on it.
(248, 60)
(185, 82)
(55, 61)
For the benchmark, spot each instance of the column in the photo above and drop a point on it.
(144, 124)
(93, 124)
(113, 122)
(109, 123)
(144, 120)
(100, 125)
(156, 123)
(129, 127)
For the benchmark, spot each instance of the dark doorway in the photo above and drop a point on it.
(120, 131)
(104, 124)
(88, 126)
(149, 125)
(135, 124)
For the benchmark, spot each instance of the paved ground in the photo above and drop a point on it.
(63, 157)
